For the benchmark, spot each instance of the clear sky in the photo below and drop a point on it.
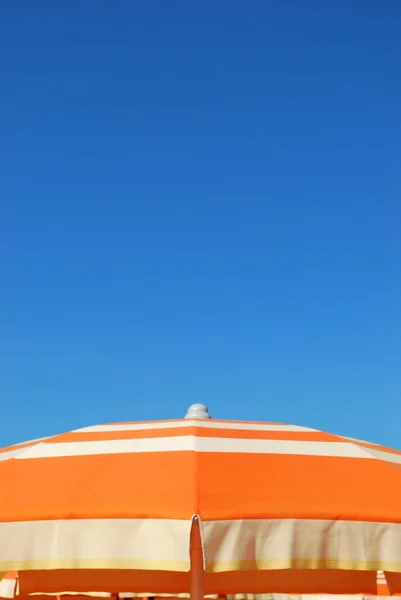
(200, 202)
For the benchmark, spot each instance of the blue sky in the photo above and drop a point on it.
(200, 202)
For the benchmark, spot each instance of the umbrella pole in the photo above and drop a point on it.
(196, 555)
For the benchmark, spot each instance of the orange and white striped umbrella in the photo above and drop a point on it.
(264, 507)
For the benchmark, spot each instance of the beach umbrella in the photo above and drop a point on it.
(200, 505)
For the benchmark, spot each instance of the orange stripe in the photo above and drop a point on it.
(287, 581)
(394, 583)
(226, 486)
(11, 575)
(63, 597)
(123, 485)
(312, 487)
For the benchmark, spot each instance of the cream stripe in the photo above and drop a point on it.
(73, 542)
(228, 545)
(385, 456)
(15, 449)
(198, 444)
(287, 543)
(233, 425)
(12, 453)
(7, 588)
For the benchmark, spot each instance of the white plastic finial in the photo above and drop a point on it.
(198, 411)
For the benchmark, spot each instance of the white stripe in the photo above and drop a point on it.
(16, 453)
(234, 425)
(129, 543)
(292, 539)
(194, 443)
(21, 447)
(95, 539)
(7, 588)
(384, 456)
(12, 453)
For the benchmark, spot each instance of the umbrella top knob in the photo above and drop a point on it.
(198, 411)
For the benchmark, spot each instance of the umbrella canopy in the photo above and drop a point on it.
(246, 507)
